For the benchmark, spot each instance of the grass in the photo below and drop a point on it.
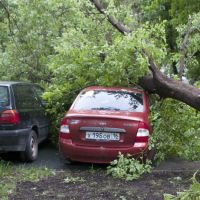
(10, 175)
(74, 179)
(193, 193)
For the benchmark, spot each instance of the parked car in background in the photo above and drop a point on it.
(23, 123)
(104, 121)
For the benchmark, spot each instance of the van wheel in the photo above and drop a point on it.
(31, 152)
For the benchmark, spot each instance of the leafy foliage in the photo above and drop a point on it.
(128, 168)
(9, 176)
(176, 130)
(73, 179)
(176, 12)
(190, 194)
(192, 50)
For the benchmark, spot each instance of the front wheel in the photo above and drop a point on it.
(31, 152)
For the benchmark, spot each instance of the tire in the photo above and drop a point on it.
(31, 152)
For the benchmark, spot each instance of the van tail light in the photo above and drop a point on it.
(64, 129)
(142, 136)
(9, 117)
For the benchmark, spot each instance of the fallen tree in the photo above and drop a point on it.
(156, 81)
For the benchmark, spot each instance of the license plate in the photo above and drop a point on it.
(102, 136)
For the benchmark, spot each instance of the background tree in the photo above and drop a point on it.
(29, 30)
(175, 13)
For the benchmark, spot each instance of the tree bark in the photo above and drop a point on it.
(157, 82)
(169, 88)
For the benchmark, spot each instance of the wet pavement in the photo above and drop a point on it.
(49, 157)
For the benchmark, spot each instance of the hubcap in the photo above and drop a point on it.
(33, 146)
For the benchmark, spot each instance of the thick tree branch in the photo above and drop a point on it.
(169, 88)
(120, 27)
(152, 64)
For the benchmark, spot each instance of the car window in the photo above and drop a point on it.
(110, 100)
(25, 97)
(4, 96)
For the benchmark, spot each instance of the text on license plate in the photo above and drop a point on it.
(102, 136)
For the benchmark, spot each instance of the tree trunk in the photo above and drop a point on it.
(169, 88)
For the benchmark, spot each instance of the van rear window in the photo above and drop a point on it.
(4, 96)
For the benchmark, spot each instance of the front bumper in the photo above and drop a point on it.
(99, 154)
(13, 140)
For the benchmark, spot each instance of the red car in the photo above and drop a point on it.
(104, 121)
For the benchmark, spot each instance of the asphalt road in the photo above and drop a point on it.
(49, 157)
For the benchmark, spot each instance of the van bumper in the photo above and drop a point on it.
(13, 140)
